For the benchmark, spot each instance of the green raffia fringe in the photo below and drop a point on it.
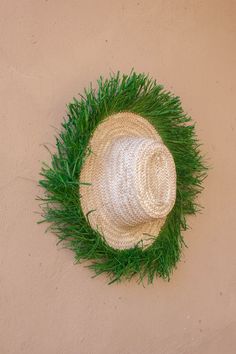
(137, 93)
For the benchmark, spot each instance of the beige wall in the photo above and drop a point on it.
(50, 50)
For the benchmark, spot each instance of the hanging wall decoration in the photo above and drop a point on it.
(126, 173)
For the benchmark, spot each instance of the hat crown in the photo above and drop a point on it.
(130, 181)
(138, 180)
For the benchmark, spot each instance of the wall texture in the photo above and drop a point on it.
(50, 50)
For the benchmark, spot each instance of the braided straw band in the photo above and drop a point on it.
(133, 181)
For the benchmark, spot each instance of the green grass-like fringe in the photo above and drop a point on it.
(137, 93)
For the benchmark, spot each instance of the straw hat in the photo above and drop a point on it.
(128, 181)
(113, 184)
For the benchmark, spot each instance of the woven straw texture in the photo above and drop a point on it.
(130, 181)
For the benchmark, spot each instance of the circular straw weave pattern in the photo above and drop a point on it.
(132, 181)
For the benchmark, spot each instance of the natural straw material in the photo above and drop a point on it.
(129, 181)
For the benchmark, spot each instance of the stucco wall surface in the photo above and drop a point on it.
(49, 51)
